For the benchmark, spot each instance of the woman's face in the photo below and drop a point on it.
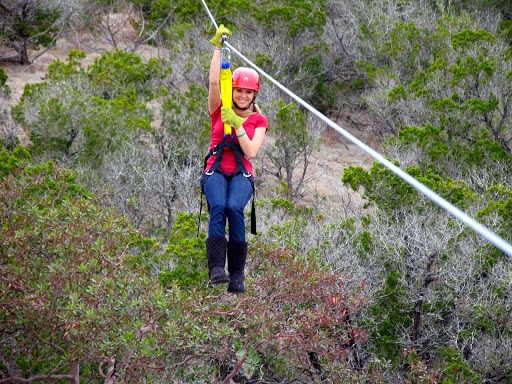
(243, 97)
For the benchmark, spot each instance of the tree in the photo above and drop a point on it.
(439, 87)
(157, 177)
(431, 272)
(94, 114)
(29, 24)
(8, 133)
(96, 120)
(55, 320)
(289, 154)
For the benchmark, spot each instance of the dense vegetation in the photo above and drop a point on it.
(102, 271)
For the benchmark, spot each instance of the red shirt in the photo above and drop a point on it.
(228, 162)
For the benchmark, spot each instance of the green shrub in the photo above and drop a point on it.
(186, 254)
(3, 77)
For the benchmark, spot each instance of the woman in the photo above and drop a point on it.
(228, 180)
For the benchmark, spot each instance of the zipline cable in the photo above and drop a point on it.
(462, 216)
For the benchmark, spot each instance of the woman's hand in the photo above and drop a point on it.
(230, 117)
(217, 39)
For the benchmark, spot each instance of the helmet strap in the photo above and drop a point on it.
(242, 109)
(250, 105)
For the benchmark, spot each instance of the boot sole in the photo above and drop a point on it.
(237, 288)
(219, 280)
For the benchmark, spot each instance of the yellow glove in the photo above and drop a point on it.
(217, 39)
(230, 117)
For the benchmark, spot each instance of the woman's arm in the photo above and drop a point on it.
(214, 99)
(250, 147)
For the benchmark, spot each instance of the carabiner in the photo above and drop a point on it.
(225, 57)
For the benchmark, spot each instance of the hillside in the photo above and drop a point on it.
(104, 275)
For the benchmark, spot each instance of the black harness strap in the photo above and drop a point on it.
(218, 151)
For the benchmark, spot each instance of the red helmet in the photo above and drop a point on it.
(246, 78)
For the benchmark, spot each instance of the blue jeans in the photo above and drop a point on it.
(227, 197)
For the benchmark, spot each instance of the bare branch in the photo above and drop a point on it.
(235, 371)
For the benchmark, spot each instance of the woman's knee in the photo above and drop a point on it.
(218, 206)
(233, 209)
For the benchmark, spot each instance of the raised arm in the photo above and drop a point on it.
(214, 87)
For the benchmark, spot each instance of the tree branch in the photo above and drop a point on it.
(16, 379)
(235, 371)
(9, 11)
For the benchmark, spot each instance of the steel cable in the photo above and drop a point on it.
(462, 216)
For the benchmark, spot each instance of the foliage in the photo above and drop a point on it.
(436, 89)
(70, 288)
(5, 95)
(318, 323)
(432, 297)
(10, 162)
(100, 122)
(79, 126)
(289, 42)
(8, 135)
(3, 78)
(29, 25)
(390, 313)
(66, 280)
(501, 6)
(159, 9)
(180, 141)
(184, 132)
(298, 16)
(498, 211)
(284, 224)
(118, 72)
(414, 255)
(455, 369)
(59, 70)
(186, 253)
(289, 154)
(293, 322)
(444, 102)
(387, 190)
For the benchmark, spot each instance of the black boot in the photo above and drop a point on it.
(216, 255)
(237, 254)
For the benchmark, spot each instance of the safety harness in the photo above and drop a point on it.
(218, 151)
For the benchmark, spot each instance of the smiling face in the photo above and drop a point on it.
(243, 97)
